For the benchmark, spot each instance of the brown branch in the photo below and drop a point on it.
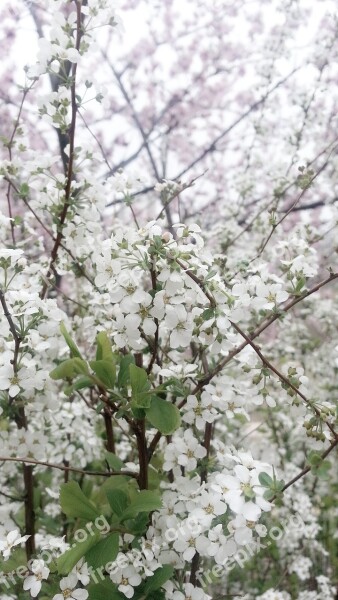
(262, 327)
(282, 377)
(70, 166)
(13, 329)
(28, 479)
(199, 282)
(154, 354)
(293, 205)
(9, 146)
(67, 468)
(139, 429)
(110, 444)
(307, 469)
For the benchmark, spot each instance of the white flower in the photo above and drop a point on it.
(180, 324)
(221, 547)
(268, 296)
(67, 586)
(107, 268)
(188, 542)
(191, 593)
(8, 381)
(302, 567)
(240, 529)
(128, 332)
(183, 451)
(126, 578)
(33, 582)
(81, 572)
(200, 411)
(209, 506)
(13, 538)
(26, 378)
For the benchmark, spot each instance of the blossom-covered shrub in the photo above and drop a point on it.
(167, 392)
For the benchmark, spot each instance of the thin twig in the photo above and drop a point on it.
(307, 469)
(31, 461)
(282, 377)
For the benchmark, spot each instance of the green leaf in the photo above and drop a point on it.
(268, 494)
(139, 413)
(74, 351)
(314, 458)
(138, 379)
(144, 501)
(15, 560)
(79, 384)
(321, 468)
(141, 401)
(300, 284)
(114, 461)
(140, 387)
(265, 480)
(118, 501)
(69, 368)
(124, 375)
(68, 560)
(103, 552)
(105, 590)
(24, 190)
(75, 504)
(105, 371)
(139, 525)
(278, 485)
(160, 577)
(163, 415)
(208, 313)
(104, 349)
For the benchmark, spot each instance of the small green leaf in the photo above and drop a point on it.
(69, 368)
(300, 284)
(24, 190)
(144, 501)
(163, 415)
(139, 525)
(323, 470)
(114, 461)
(208, 313)
(141, 401)
(139, 413)
(314, 458)
(105, 371)
(103, 552)
(160, 577)
(79, 384)
(68, 560)
(118, 501)
(124, 375)
(140, 386)
(75, 504)
(104, 349)
(105, 590)
(265, 480)
(139, 380)
(268, 494)
(74, 351)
